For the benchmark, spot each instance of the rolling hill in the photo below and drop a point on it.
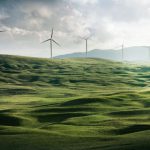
(136, 53)
(73, 104)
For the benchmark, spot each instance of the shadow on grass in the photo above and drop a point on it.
(133, 128)
(9, 120)
(57, 118)
(65, 110)
(83, 101)
(130, 113)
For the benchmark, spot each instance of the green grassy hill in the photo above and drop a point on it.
(73, 104)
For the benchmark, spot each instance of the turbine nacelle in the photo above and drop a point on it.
(52, 41)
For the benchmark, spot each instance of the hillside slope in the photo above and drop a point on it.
(135, 53)
(73, 104)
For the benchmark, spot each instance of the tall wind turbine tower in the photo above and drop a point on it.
(121, 48)
(86, 42)
(86, 45)
(51, 40)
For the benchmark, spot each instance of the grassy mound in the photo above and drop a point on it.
(73, 104)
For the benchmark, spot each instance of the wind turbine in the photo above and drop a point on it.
(86, 44)
(122, 50)
(51, 40)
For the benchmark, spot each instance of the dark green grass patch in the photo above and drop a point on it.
(9, 120)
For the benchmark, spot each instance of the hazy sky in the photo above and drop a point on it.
(29, 22)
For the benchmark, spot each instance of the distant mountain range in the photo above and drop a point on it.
(136, 53)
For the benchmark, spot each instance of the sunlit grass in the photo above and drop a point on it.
(73, 104)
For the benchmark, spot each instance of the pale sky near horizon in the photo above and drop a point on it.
(110, 22)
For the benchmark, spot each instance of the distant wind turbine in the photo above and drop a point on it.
(51, 40)
(86, 45)
(122, 51)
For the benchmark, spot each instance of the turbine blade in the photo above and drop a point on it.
(46, 40)
(52, 33)
(2, 31)
(56, 42)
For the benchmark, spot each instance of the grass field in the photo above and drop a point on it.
(73, 104)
